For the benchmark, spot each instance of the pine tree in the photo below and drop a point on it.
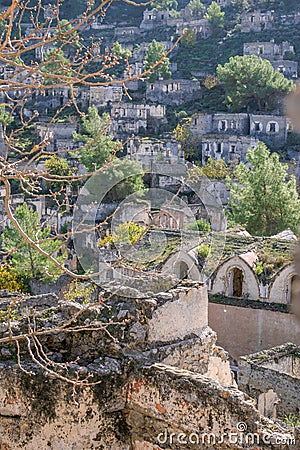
(164, 5)
(215, 15)
(26, 261)
(196, 7)
(154, 54)
(100, 145)
(261, 198)
(252, 82)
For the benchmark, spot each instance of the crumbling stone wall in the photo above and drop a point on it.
(170, 328)
(169, 408)
(133, 399)
(39, 412)
(139, 410)
(272, 371)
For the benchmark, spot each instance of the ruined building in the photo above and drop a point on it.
(229, 135)
(160, 380)
(257, 21)
(253, 285)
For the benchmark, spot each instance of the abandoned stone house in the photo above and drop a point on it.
(168, 217)
(173, 92)
(139, 50)
(150, 151)
(17, 86)
(268, 375)
(290, 19)
(153, 19)
(58, 136)
(257, 21)
(36, 36)
(41, 51)
(260, 302)
(229, 136)
(127, 34)
(287, 68)
(236, 275)
(269, 50)
(52, 98)
(232, 149)
(200, 27)
(129, 119)
(39, 205)
(271, 129)
(134, 72)
(136, 62)
(276, 54)
(56, 97)
(220, 123)
(162, 158)
(100, 96)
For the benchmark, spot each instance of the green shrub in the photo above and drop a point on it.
(203, 251)
(11, 280)
(200, 225)
(259, 268)
(292, 421)
(126, 233)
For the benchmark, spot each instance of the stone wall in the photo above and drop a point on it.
(173, 92)
(223, 279)
(269, 50)
(242, 331)
(175, 320)
(157, 370)
(140, 411)
(172, 409)
(39, 412)
(272, 371)
(172, 327)
(269, 128)
(257, 21)
(280, 288)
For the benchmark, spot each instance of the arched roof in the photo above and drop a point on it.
(174, 260)
(278, 285)
(246, 264)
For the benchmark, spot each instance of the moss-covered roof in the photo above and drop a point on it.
(273, 253)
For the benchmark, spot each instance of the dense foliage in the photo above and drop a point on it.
(164, 5)
(25, 259)
(196, 7)
(215, 16)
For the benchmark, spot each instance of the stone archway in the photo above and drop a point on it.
(183, 266)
